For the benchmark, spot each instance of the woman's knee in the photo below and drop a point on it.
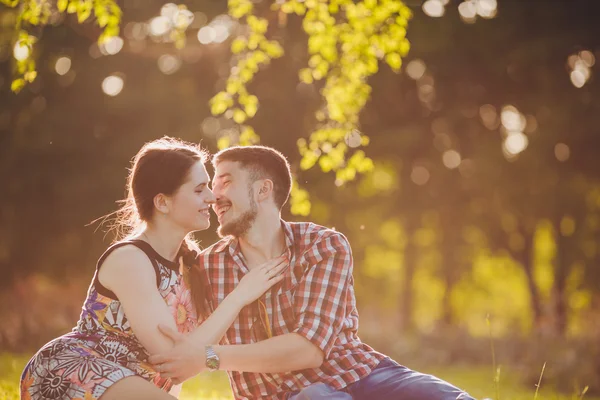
(134, 388)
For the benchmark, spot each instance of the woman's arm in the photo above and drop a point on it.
(253, 285)
(129, 274)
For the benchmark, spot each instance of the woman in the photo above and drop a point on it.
(140, 282)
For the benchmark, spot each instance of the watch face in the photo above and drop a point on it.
(212, 363)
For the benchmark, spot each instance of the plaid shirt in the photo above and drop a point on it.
(315, 300)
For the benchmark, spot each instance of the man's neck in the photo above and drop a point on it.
(265, 240)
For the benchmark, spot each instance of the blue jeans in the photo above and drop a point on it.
(389, 380)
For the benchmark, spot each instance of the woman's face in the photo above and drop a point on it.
(189, 206)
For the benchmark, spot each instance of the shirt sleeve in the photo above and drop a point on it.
(322, 295)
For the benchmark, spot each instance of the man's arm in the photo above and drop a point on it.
(290, 352)
(320, 302)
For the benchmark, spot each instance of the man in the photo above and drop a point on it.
(299, 341)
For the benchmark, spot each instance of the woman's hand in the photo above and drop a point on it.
(260, 279)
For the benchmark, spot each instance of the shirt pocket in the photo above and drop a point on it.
(284, 315)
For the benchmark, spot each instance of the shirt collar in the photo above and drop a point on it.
(233, 244)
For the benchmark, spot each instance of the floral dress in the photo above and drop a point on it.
(102, 348)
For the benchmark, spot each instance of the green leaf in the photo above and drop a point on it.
(223, 142)
(61, 5)
(17, 85)
(239, 116)
(273, 49)
(72, 8)
(238, 45)
(233, 86)
(102, 20)
(30, 76)
(250, 109)
(394, 60)
(305, 75)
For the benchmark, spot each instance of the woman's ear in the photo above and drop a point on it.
(162, 203)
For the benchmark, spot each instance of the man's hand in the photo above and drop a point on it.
(183, 361)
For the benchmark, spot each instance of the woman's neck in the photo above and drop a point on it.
(166, 242)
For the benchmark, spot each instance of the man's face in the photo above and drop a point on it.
(235, 207)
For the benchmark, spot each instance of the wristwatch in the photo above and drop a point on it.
(212, 359)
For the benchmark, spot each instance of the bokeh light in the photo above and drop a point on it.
(512, 119)
(112, 45)
(515, 143)
(451, 159)
(416, 69)
(434, 8)
(419, 175)
(467, 10)
(580, 65)
(169, 64)
(489, 116)
(487, 8)
(207, 35)
(221, 33)
(159, 25)
(63, 65)
(353, 139)
(562, 152)
(169, 10)
(112, 85)
(21, 51)
(183, 19)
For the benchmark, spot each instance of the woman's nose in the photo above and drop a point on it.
(211, 199)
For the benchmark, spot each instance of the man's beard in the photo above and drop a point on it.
(240, 226)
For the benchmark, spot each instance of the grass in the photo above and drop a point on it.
(478, 381)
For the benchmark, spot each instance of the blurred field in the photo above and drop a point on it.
(476, 380)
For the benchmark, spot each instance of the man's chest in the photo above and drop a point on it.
(274, 313)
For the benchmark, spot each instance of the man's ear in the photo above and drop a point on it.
(162, 203)
(265, 189)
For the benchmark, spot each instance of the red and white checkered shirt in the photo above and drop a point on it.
(315, 300)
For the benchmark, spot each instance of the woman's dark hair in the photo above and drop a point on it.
(162, 166)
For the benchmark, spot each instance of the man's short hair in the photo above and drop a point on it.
(263, 163)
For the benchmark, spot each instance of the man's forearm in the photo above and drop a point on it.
(289, 352)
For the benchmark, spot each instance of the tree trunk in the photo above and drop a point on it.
(406, 295)
(560, 278)
(525, 258)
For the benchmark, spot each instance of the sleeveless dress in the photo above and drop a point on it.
(102, 348)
